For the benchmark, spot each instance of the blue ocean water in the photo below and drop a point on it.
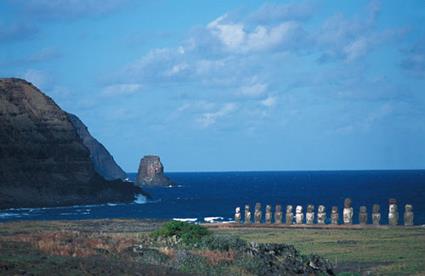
(216, 194)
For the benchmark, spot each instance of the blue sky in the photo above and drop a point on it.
(231, 85)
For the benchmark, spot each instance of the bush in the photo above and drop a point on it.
(188, 233)
(223, 243)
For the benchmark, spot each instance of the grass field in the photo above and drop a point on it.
(99, 247)
(390, 251)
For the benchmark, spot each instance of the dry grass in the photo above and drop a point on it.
(215, 257)
(74, 243)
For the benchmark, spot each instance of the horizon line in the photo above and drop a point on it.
(259, 171)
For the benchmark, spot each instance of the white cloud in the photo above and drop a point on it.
(210, 118)
(269, 101)
(263, 38)
(350, 39)
(230, 34)
(356, 49)
(234, 37)
(253, 90)
(176, 69)
(121, 89)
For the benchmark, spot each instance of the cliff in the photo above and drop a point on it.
(151, 172)
(43, 161)
(103, 162)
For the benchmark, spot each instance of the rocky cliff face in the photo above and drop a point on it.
(102, 160)
(43, 161)
(151, 172)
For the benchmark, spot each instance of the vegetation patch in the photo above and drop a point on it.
(189, 234)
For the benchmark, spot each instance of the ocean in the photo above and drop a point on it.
(213, 196)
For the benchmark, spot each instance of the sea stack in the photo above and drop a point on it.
(151, 172)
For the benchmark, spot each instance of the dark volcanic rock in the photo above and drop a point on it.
(282, 259)
(43, 161)
(103, 161)
(151, 172)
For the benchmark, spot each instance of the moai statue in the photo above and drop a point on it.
(238, 215)
(334, 215)
(321, 215)
(278, 214)
(257, 213)
(309, 216)
(363, 215)
(299, 215)
(392, 212)
(408, 215)
(268, 214)
(376, 214)
(348, 211)
(290, 214)
(247, 215)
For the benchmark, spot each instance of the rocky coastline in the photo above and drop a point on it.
(43, 159)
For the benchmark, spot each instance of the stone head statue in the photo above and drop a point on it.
(238, 215)
(334, 209)
(348, 202)
(268, 208)
(246, 207)
(278, 208)
(393, 208)
(363, 209)
(278, 214)
(321, 209)
(299, 209)
(408, 215)
(289, 209)
(310, 208)
(376, 208)
(257, 206)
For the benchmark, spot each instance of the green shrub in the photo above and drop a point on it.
(188, 233)
(223, 243)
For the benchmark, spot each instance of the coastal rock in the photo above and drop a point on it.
(151, 172)
(43, 161)
(102, 160)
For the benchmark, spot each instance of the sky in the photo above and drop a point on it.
(231, 85)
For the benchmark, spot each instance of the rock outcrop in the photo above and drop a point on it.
(151, 172)
(43, 161)
(102, 160)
